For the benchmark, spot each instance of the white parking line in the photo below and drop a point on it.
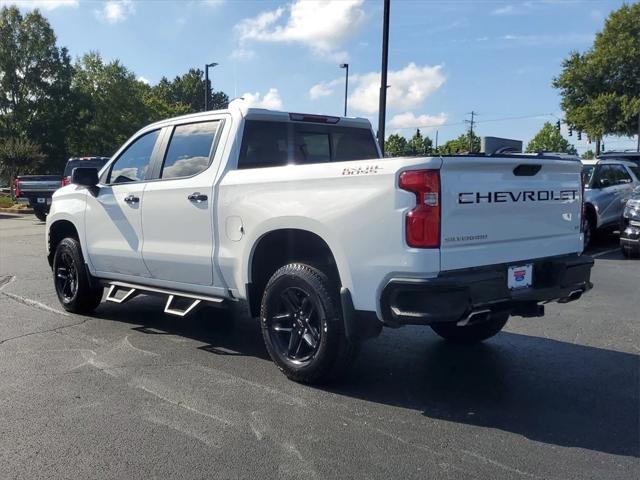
(599, 254)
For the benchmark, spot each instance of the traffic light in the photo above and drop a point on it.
(558, 125)
(579, 135)
(570, 131)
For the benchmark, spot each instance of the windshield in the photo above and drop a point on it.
(94, 162)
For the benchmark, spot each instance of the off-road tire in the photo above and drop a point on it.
(473, 333)
(334, 352)
(83, 297)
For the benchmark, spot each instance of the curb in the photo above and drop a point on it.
(16, 210)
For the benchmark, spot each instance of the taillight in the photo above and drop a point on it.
(423, 222)
(16, 186)
(66, 181)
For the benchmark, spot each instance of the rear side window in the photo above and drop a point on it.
(271, 144)
(264, 144)
(189, 149)
(132, 165)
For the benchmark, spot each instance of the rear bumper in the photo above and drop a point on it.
(454, 295)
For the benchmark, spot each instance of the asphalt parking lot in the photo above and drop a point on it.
(133, 393)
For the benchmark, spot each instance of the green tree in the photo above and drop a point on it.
(601, 88)
(18, 156)
(460, 144)
(549, 139)
(188, 89)
(395, 146)
(111, 106)
(588, 155)
(419, 145)
(35, 80)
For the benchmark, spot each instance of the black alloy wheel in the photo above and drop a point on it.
(295, 326)
(77, 291)
(66, 277)
(302, 325)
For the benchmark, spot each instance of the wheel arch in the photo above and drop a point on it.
(591, 211)
(280, 246)
(57, 231)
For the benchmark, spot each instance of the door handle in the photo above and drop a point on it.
(197, 197)
(131, 199)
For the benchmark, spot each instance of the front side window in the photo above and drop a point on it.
(189, 149)
(133, 164)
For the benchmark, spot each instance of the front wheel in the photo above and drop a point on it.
(71, 279)
(473, 333)
(302, 324)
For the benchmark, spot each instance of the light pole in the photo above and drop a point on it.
(346, 85)
(382, 110)
(206, 84)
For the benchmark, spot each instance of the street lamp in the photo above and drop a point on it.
(346, 85)
(206, 84)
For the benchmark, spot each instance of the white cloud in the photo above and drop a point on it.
(322, 25)
(409, 120)
(324, 89)
(115, 11)
(143, 80)
(242, 53)
(270, 100)
(320, 90)
(550, 39)
(41, 4)
(408, 87)
(514, 9)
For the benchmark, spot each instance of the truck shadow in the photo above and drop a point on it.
(546, 390)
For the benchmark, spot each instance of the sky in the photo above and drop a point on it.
(446, 58)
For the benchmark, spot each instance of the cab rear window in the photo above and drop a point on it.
(273, 144)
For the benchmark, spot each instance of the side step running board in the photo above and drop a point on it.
(130, 290)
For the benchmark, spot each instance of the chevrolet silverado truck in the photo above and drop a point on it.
(299, 219)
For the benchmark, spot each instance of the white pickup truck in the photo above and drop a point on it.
(298, 218)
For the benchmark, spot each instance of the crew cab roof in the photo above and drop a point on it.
(239, 106)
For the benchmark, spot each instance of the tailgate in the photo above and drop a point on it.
(506, 209)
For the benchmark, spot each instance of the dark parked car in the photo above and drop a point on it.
(630, 226)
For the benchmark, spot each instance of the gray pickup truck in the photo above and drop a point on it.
(36, 191)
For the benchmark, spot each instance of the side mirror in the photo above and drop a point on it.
(84, 176)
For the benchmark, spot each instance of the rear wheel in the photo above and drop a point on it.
(302, 324)
(473, 333)
(40, 214)
(71, 279)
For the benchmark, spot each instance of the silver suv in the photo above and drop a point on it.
(608, 186)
